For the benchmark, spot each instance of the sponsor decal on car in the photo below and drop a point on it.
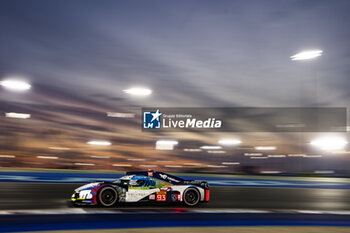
(168, 188)
(161, 196)
(152, 197)
(166, 177)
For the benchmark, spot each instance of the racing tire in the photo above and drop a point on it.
(191, 197)
(107, 196)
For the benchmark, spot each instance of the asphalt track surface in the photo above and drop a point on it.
(27, 196)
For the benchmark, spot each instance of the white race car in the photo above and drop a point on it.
(146, 186)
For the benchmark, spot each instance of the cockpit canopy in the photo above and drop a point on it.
(139, 181)
(136, 181)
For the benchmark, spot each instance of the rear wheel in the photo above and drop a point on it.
(107, 196)
(191, 197)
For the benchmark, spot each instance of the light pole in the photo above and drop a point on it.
(302, 57)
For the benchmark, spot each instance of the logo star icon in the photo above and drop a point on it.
(156, 115)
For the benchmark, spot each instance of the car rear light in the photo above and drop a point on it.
(207, 195)
(178, 197)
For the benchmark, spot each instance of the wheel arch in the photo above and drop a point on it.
(182, 188)
(200, 196)
(103, 187)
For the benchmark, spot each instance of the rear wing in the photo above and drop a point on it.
(202, 184)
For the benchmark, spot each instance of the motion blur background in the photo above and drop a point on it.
(77, 63)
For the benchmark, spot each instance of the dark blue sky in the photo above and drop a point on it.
(79, 56)
(191, 53)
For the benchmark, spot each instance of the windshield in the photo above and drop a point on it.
(123, 180)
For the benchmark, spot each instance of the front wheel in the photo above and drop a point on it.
(107, 196)
(191, 196)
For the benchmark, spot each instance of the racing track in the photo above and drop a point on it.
(15, 196)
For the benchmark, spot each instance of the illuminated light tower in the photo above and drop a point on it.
(99, 143)
(166, 144)
(329, 143)
(15, 85)
(229, 142)
(306, 55)
(138, 91)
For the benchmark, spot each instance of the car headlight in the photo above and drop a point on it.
(86, 194)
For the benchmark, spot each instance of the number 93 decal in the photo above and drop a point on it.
(161, 196)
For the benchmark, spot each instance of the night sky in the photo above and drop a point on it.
(79, 56)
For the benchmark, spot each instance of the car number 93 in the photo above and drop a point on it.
(161, 196)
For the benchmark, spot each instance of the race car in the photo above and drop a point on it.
(143, 186)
